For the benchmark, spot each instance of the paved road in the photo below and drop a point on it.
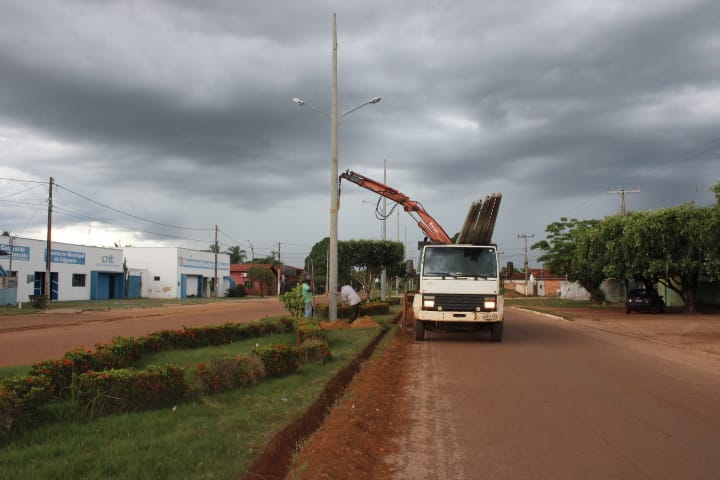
(560, 400)
(25, 339)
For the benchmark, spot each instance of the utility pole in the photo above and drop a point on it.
(252, 251)
(525, 236)
(622, 193)
(281, 271)
(383, 276)
(217, 250)
(48, 260)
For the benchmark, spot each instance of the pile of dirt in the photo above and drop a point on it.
(336, 325)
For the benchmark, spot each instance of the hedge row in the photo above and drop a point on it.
(103, 381)
(127, 390)
(123, 352)
(376, 308)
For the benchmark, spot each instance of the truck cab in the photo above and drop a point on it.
(459, 290)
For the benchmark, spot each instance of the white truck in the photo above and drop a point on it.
(459, 290)
(460, 285)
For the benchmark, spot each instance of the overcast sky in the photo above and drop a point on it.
(180, 112)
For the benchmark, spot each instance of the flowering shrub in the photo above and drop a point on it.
(314, 350)
(101, 383)
(228, 373)
(378, 308)
(307, 330)
(278, 359)
(124, 390)
(20, 397)
(192, 337)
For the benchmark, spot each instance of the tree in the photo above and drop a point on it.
(369, 257)
(560, 244)
(716, 190)
(213, 248)
(262, 275)
(237, 254)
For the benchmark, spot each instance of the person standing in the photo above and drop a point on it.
(350, 297)
(307, 298)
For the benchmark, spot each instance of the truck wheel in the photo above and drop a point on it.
(496, 332)
(419, 329)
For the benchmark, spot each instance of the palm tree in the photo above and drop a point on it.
(237, 254)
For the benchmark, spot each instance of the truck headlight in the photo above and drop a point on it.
(489, 304)
(428, 302)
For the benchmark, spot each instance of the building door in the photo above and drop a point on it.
(39, 284)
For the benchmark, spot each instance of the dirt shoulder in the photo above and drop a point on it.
(693, 332)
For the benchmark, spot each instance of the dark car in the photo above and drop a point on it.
(642, 300)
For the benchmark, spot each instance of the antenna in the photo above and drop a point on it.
(622, 193)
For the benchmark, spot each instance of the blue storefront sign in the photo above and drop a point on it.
(19, 252)
(67, 256)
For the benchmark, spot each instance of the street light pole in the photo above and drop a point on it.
(334, 194)
(333, 253)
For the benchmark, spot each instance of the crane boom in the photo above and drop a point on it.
(425, 221)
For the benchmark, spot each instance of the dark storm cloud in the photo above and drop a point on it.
(181, 111)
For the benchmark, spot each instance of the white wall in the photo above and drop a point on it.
(160, 270)
(163, 268)
(67, 259)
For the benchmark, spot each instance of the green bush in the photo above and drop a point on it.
(236, 291)
(376, 308)
(278, 360)
(124, 390)
(293, 301)
(307, 329)
(20, 397)
(228, 373)
(314, 350)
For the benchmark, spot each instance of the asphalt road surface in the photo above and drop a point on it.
(558, 400)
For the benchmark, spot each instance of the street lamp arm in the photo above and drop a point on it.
(371, 101)
(303, 103)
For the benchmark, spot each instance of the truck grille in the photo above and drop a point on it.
(459, 302)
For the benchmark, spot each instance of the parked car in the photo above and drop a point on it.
(642, 300)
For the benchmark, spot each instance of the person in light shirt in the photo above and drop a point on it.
(350, 297)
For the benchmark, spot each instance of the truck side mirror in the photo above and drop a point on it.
(509, 269)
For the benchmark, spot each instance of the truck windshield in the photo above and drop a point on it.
(460, 262)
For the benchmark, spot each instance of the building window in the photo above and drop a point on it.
(78, 280)
(157, 279)
(248, 284)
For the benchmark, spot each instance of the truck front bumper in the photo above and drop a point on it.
(470, 317)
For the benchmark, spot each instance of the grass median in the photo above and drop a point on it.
(214, 437)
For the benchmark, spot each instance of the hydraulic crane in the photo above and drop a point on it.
(478, 226)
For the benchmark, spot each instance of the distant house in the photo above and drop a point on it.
(545, 283)
(290, 277)
(540, 282)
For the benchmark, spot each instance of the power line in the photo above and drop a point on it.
(130, 214)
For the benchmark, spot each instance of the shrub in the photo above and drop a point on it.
(228, 373)
(278, 360)
(293, 301)
(124, 390)
(314, 350)
(376, 308)
(236, 291)
(307, 330)
(20, 397)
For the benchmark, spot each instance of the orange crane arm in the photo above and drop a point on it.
(427, 224)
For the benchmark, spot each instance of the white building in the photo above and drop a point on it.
(77, 272)
(172, 272)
